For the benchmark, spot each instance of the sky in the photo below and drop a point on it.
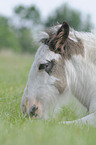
(48, 6)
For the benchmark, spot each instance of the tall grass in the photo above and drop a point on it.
(16, 129)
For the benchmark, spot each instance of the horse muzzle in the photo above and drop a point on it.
(33, 110)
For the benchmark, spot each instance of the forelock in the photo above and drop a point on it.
(48, 33)
(44, 54)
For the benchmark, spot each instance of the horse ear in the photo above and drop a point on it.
(62, 35)
(63, 31)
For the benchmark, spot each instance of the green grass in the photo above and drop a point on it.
(16, 129)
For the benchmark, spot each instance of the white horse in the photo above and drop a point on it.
(65, 61)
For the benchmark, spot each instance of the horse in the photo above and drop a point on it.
(65, 62)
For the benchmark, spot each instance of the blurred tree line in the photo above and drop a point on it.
(18, 33)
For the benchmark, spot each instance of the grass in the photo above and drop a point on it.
(15, 129)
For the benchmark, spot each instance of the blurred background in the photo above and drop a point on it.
(21, 20)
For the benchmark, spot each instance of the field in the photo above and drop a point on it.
(15, 129)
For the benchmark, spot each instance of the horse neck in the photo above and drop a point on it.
(81, 79)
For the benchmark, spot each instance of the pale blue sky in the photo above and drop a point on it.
(47, 6)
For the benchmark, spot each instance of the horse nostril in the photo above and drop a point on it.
(32, 111)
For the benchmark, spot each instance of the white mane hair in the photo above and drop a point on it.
(79, 69)
(84, 86)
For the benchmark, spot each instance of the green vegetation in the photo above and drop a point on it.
(26, 14)
(17, 33)
(26, 41)
(17, 39)
(8, 38)
(15, 129)
(74, 17)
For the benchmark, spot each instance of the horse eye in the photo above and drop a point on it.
(47, 66)
(42, 66)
